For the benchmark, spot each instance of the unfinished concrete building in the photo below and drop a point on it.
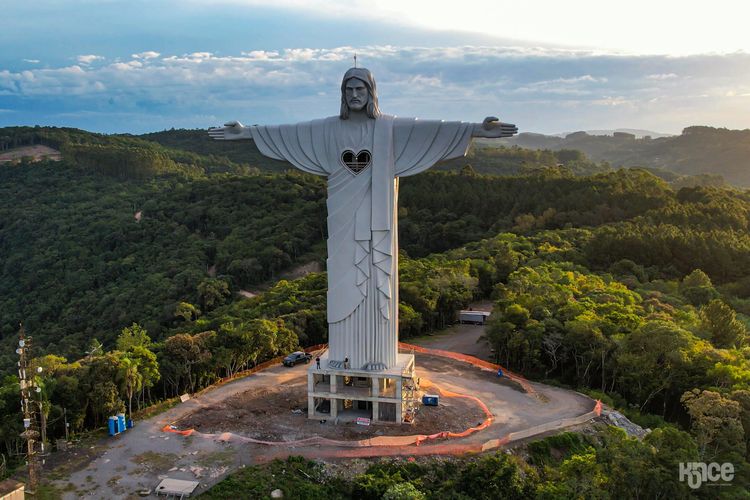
(346, 394)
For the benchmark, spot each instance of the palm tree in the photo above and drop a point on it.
(130, 380)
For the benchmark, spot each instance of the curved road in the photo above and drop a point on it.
(139, 458)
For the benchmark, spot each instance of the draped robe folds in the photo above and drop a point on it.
(362, 217)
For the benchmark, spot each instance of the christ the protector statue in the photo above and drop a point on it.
(363, 152)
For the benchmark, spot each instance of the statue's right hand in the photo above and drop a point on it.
(231, 131)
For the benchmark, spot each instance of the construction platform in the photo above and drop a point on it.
(344, 394)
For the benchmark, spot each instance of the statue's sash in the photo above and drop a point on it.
(383, 174)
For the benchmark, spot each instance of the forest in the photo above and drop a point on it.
(697, 150)
(617, 283)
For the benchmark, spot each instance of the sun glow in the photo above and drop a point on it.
(668, 27)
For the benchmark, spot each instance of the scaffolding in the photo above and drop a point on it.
(409, 396)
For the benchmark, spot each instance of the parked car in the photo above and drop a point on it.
(297, 357)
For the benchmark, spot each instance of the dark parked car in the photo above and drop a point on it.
(297, 357)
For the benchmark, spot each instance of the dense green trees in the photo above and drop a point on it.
(442, 211)
(720, 322)
(613, 282)
(77, 264)
(705, 151)
(716, 423)
(604, 463)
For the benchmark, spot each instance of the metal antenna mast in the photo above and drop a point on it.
(29, 394)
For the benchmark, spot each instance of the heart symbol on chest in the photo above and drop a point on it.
(356, 162)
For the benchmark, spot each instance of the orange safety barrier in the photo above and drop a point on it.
(402, 445)
(172, 428)
(447, 434)
(390, 445)
(379, 441)
(479, 363)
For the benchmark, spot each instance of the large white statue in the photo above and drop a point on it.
(363, 152)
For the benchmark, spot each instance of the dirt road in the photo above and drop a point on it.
(140, 457)
(466, 339)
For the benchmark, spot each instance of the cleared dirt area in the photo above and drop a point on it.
(260, 407)
(269, 414)
(436, 367)
(464, 339)
(302, 270)
(35, 152)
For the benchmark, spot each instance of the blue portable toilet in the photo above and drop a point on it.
(130, 423)
(121, 422)
(113, 427)
(430, 399)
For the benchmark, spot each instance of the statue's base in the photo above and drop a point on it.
(345, 395)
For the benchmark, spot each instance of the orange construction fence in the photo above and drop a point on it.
(402, 445)
(378, 441)
(479, 363)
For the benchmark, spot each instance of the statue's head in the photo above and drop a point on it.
(358, 92)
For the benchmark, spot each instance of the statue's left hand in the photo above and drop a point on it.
(491, 127)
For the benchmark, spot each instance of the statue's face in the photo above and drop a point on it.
(357, 95)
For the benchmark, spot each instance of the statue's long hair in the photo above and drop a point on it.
(365, 76)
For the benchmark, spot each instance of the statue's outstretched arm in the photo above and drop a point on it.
(231, 131)
(492, 128)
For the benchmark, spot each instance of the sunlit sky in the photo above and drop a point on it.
(635, 26)
(139, 66)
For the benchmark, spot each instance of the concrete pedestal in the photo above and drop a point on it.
(345, 394)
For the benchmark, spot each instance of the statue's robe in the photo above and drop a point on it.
(362, 217)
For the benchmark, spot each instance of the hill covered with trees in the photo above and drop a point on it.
(698, 150)
(619, 284)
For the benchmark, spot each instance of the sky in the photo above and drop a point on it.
(548, 66)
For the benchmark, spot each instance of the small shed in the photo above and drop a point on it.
(473, 317)
(177, 488)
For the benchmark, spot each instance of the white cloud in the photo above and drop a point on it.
(661, 76)
(88, 59)
(612, 101)
(126, 66)
(261, 55)
(425, 81)
(469, 71)
(31, 61)
(541, 89)
(149, 54)
(576, 85)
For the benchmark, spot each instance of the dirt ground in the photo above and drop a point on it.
(36, 152)
(268, 414)
(261, 405)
